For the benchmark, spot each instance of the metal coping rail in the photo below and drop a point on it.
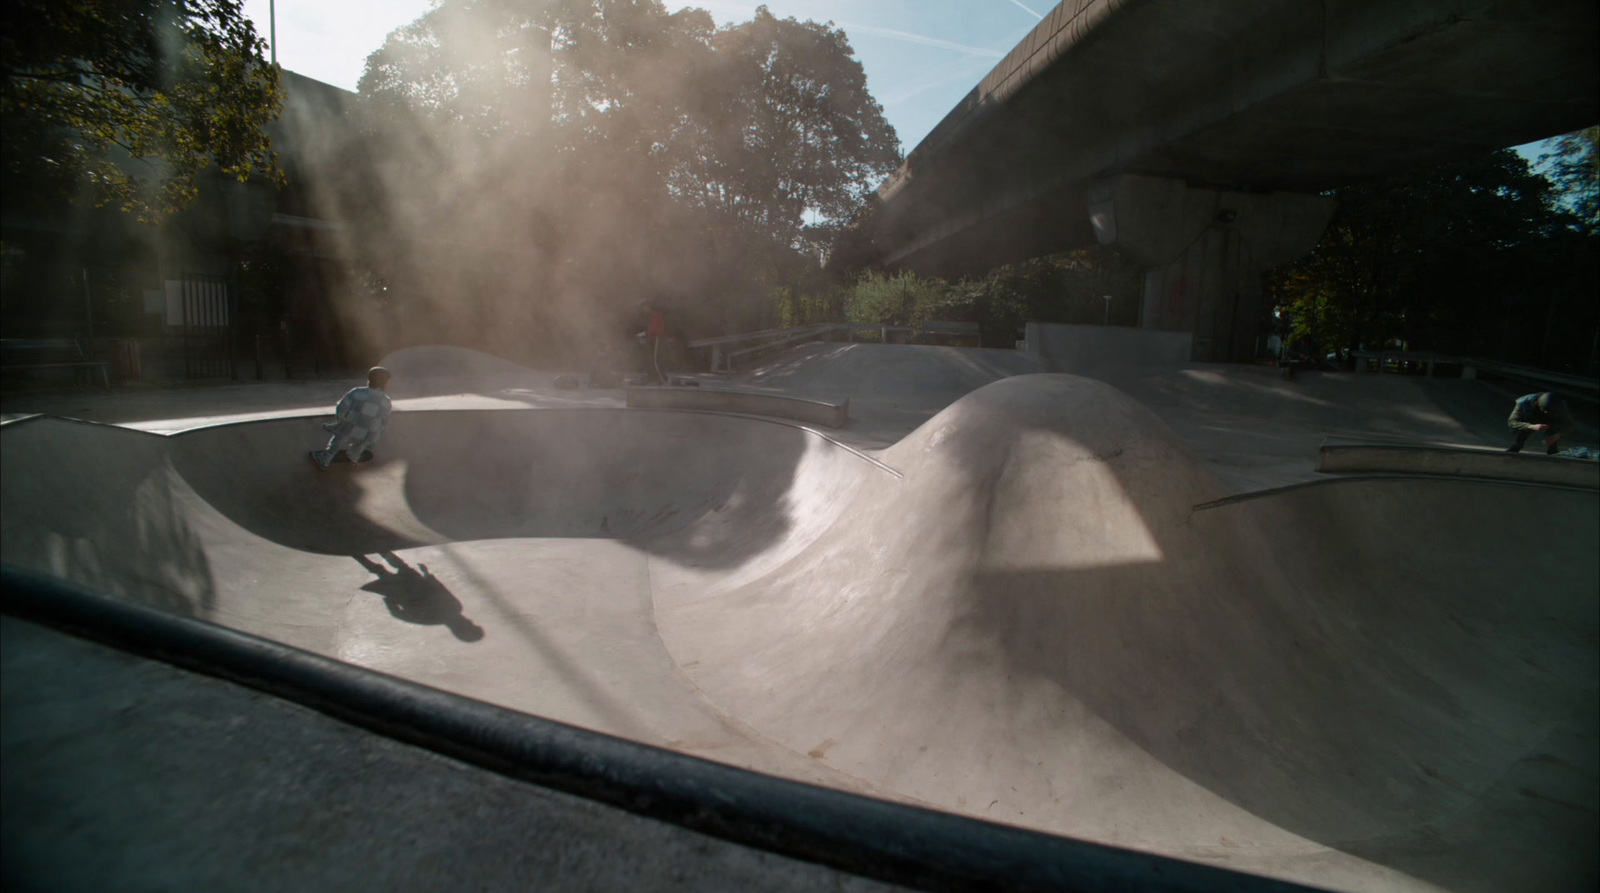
(892, 842)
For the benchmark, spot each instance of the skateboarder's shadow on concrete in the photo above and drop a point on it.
(418, 596)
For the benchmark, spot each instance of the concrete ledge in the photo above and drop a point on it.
(815, 412)
(1489, 464)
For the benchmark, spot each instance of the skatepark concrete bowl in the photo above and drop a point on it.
(1032, 609)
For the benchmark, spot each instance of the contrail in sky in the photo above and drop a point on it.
(925, 40)
(961, 71)
(1028, 9)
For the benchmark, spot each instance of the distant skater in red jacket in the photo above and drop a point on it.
(655, 327)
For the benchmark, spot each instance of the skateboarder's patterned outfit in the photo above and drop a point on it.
(361, 415)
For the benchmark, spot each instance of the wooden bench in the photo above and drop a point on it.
(48, 353)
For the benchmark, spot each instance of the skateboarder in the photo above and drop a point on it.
(1545, 413)
(655, 326)
(360, 417)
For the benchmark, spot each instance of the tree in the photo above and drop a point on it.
(1575, 170)
(596, 152)
(1431, 259)
(128, 101)
(796, 132)
(1069, 287)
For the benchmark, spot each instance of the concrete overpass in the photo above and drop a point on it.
(1197, 137)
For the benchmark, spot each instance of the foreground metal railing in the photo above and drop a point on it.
(893, 842)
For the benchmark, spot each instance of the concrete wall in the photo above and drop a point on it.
(1084, 350)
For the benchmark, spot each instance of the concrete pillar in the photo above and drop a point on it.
(1204, 251)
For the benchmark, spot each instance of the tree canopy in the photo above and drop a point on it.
(1575, 169)
(128, 101)
(607, 151)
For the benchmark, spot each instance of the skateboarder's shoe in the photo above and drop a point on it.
(340, 458)
(317, 461)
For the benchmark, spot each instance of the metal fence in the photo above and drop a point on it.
(209, 325)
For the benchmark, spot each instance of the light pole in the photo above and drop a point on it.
(1108, 308)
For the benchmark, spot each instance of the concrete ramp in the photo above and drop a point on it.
(1015, 613)
(1050, 635)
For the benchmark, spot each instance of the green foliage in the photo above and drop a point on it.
(1575, 170)
(127, 101)
(1447, 259)
(796, 131)
(898, 299)
(1062, 288)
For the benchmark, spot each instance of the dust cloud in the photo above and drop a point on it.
(519, 177)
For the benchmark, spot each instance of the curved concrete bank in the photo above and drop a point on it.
(814, 412)
(1036, 627)
(193, 749)
(1530, 467)
(1383, 684)
(502, 554)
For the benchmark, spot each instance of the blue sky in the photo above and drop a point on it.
(920, 56)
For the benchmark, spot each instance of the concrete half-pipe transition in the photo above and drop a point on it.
(1017, 613)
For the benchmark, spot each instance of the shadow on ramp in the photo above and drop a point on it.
(415, 596)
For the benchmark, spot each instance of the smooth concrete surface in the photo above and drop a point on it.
(125, 774)
(1530, 467)
(815, 412)
(1013, 612)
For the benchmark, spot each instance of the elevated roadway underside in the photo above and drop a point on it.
(1253, 96)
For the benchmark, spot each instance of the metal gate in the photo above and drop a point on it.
(208, 327)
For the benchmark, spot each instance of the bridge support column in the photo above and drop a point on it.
(1204, 251)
